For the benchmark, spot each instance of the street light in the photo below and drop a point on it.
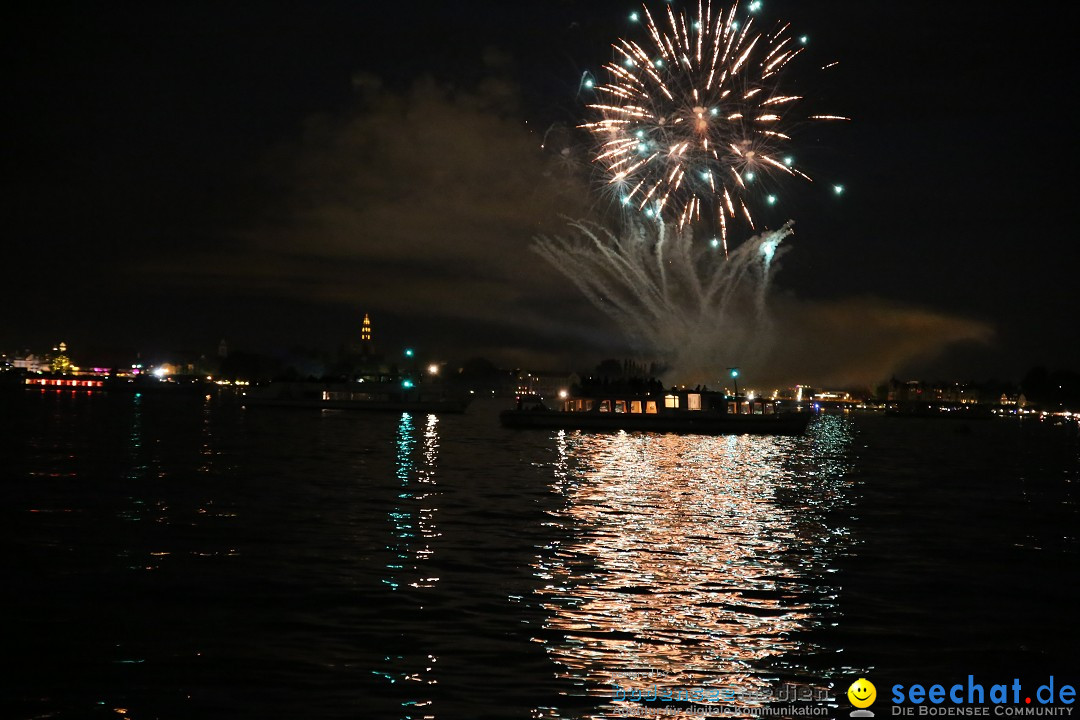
(735, 378)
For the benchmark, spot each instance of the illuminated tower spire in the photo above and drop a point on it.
(365, 336)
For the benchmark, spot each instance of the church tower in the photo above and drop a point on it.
(365, 336)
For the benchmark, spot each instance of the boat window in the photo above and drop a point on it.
(605, 406)
(732, 408)
(693, 401)
(635, 407)
(671, 401)
(650, 407)
(620, 406)
(325, 395)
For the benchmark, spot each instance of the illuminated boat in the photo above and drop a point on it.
(373, 396)
(64, 383)
(680, 411)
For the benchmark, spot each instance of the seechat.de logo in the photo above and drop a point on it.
(862, 695)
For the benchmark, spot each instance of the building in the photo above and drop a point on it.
(362, 360)
(917, 391)
(31, 362)
(547, 385)
(365, 333)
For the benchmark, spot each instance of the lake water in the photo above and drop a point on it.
(191, 558)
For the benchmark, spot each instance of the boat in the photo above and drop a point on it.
(676, 410)
(395, 396)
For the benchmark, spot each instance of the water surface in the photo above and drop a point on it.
(188, 557)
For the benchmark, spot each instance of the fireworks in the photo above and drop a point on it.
(692, 120)
(671, 296)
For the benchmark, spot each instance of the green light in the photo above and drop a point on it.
(838, 189)
(771, 199)
(734, 372)
(409, 352)
(633, 17)
(589, 83)
(406, 384)
(715, 243)
(804, 39)
(789, 161)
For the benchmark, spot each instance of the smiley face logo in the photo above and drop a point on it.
(862, 693)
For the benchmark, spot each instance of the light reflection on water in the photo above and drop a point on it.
(413, 518)
(413, 534)
(694, 562)
(183, 558)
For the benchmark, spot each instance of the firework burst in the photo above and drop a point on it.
(692, 119)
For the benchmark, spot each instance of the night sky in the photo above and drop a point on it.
(267, 172)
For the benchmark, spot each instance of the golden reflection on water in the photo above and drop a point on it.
(692, 560)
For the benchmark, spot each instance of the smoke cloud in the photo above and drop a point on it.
(859, 341)
(426, 202)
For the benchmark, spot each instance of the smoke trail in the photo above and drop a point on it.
(681, 301)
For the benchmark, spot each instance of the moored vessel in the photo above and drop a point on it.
(675, 410)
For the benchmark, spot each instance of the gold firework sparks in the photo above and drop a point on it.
(691, 117)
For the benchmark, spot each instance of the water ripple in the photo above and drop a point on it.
(695, 559)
